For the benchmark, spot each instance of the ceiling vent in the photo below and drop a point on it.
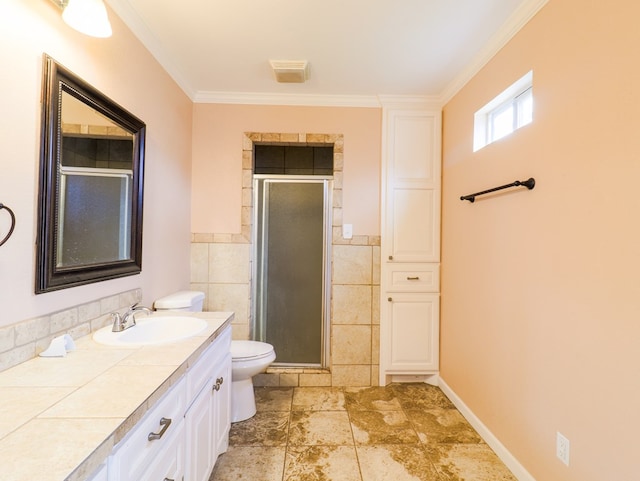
(290, 71)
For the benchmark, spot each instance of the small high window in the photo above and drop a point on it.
(509, 111)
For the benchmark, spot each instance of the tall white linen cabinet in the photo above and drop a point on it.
(410, 243)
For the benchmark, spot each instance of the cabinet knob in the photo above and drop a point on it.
(219, 382)
(390, 299)
(390, 258)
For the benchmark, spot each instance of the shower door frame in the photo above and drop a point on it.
(257, 331)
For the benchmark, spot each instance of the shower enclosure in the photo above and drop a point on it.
(291, 281)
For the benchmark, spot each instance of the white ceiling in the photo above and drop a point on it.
(219, 50)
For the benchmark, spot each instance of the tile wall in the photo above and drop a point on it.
(25, 340)
(221, 267)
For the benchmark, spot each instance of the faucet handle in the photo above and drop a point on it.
(117, 322)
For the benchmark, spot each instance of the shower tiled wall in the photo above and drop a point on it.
(221, 267)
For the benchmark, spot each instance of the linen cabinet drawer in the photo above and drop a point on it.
(415, 277)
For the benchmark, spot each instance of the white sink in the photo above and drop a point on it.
(152, 330)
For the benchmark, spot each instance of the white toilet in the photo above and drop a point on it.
(181, 301)
(248, 358)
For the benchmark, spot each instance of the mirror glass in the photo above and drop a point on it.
(90, 209)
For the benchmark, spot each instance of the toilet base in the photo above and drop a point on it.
(243, 401)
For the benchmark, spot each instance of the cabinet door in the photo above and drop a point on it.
(412, 328)
(199, 435)
(221, 406)
(411, 179)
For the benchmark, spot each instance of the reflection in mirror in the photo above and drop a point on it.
(96, 171)
(90, 219)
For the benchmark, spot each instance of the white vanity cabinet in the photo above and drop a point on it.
(207, 418)
(181, 436)
(410, 243)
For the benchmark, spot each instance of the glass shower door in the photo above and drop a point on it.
(291, 268)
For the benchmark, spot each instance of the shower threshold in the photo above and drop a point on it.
(296, 368)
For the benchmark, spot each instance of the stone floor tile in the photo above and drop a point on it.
(421, 396)
(468, 462)
(273, 398)
(321, 463)
(322, 428)
(395, 463)
(382, 427)
(318, 399)
(250, 463)
(437, 426)
(264, 429)
(371, 399)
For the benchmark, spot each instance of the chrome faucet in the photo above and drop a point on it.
(128, 319)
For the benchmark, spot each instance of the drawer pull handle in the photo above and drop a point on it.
(165, 423)
(416, 278)
(168, 479)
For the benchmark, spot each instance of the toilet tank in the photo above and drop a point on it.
(181, 301)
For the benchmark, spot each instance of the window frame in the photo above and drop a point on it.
(514, 97)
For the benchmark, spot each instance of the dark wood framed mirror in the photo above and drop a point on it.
(91, 185)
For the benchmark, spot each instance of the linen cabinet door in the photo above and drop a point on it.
(412, 330)
(411, 179)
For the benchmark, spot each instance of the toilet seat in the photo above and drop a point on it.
(250, 350)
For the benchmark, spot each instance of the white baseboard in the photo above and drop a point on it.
(494, 443)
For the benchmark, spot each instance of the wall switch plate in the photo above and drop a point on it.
(347, 231)
(562, 448)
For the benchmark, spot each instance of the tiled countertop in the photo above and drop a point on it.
(60, 417)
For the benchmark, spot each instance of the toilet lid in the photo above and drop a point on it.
(244, 349)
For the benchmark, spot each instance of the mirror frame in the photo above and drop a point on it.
(49, 276)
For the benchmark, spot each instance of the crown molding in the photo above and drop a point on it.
(513, 25)
(516, 21)
(308, 100)
(410, 101)
(132, 19)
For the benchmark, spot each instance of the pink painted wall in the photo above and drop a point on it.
(541, 289)
(125, 71)
(217, 159)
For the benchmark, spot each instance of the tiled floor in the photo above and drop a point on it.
(402, 432)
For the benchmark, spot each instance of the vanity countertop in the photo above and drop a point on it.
(60, 417)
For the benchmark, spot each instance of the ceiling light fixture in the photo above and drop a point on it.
(290, 71)
(86, 16)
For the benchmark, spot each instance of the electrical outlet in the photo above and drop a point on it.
(562, 448)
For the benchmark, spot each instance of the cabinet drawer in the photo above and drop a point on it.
(422, 277)
(136, 451)
(169, 463)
